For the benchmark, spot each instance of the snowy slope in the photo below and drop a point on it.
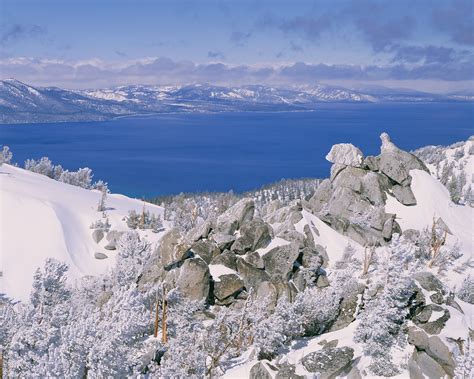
(41, 218)
(433, 200)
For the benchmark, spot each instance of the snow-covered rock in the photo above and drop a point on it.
(345, 154)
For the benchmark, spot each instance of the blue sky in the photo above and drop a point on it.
(101, 43)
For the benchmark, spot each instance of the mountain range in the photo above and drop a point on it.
(23, 103)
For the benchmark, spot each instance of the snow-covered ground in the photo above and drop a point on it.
(42, 218)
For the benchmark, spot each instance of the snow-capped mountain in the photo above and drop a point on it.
(22, 103)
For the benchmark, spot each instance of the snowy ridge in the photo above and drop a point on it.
(22, 103)
(43, 218)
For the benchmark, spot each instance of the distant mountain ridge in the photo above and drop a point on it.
(22, 103)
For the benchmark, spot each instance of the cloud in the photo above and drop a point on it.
(310, 27)
(215, 54)
(10, 33)
(457, 20)
(429, 54)
(240, 38)
(162, 70)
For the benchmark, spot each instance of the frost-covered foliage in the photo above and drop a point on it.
(37, 341)
(80, 178)
(6, 155)
(348, 259)
(286, 191)
(189, 210)
(101, 225)
(432, 249)
(44, 166)
(450, 165)
(466, 291)
(386, 304)
(465, 362)
(145, 220)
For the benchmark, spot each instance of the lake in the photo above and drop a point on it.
(166, 154)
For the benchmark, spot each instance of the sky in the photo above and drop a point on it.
(419, 44)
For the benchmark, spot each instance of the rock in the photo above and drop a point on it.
(262, 370)
(378, 218)
(404, 195)
(255, 259)
(98, 255)
(372, 163)
(442, 225)
(228, 285)
(411, 235)
(235, 216)
(374, 188)
(97, 235)
(347, 310)
(328, 362)
(440, 352)
(110, 246)
(193, 280)
(418, 338)
(279, 260)
(287, 371)
(172, 248)
(251, 275)
(396, 163)
(321, 196)
(293, 236)
(422, 315)
(429, 282)
(335, 170)
(200, 231)
(309, 238)
(348, 204)
(254, 235)
(206, 249)
(329, 344)
(311, 259)
(387, 229)
(275, 289)
(271, 207)
(436, 326)
(345, 154)
(223, 241)
(227, 259)
(350, 177)
(322, 281)
(421, 365)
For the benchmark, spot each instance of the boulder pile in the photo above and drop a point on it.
(352, 200)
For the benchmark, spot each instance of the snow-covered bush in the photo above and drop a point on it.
(6, 155)
(101, 225)
(80, 178)
(145, 220)
(466, 292)
(385, 308)
(44, 166)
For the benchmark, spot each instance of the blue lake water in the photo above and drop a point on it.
(217, 152)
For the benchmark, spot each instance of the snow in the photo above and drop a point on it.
(219, 270)
(332, 241)
(277, 241)
(41, 218)
(433, 200)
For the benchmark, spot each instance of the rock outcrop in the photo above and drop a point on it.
(352, 201)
